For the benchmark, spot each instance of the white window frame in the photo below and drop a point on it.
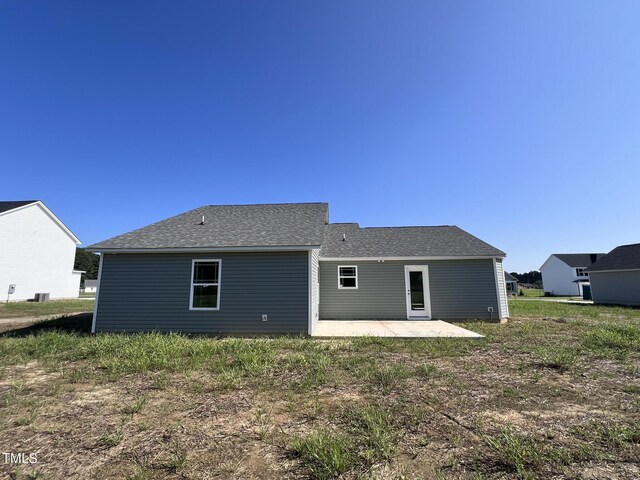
(355, 267)
(219, 284)
(581, 270)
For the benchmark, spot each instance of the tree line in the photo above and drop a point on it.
(534, 277)
(87, 262)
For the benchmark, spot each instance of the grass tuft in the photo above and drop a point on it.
(179, 455)
(326, 454)
(557, 357)
(112, 439)
(373, 428)
(518, 454)
(27, 420)
(135, 407)
(631, 389)
(388, 376)
(426, 370)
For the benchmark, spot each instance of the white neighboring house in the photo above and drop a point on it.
(564, 273)
(90, 286)
(37, 253)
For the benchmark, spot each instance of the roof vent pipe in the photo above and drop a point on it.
(202, 222)
(344, 237)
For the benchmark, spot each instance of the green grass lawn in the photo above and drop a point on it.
(553, 393)
(532, 292)
(37, 309)
(524, 308)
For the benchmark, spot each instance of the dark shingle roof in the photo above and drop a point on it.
(579, 260)
(442, 241)
(6, 206)
(624, 257)
(290, 224)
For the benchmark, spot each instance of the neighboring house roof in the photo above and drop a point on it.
(509, 278)
(90, 283)
(444, 241)
(6, 206)
(232, 226)
(579, 260)
(624, 257)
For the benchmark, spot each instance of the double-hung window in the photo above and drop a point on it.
(581, 273)
(348, 277)
(205, 285)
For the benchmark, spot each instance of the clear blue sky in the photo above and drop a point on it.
(517, 121)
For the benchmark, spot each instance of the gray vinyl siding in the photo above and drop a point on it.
(150, 292)
(615, 288)
(459, 289)
(315, 288)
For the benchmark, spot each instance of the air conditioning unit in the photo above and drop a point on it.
(41, 297)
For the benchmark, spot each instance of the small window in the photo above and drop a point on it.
(348, 277)
(581, 273)
(205, 285)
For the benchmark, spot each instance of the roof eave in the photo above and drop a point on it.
(252, 248)
(612, 270)
(411, 257)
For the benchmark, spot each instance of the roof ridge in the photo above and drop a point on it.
(263, 204)
(417, 226)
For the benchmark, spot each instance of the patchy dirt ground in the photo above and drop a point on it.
(499, 408)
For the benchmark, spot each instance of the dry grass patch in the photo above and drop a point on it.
(546, 396)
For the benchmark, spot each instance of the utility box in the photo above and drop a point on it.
(41, 297)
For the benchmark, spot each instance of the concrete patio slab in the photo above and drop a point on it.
(390, 328)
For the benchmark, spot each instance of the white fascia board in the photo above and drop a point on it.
(50, 215)
(59, 222)
(292, 248)
(377, 259)
(497, 279)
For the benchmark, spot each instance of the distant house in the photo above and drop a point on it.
(281, 268)
(512, 283)
(90, 286)
(37, 253)
(565, 273)
(615, 278)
